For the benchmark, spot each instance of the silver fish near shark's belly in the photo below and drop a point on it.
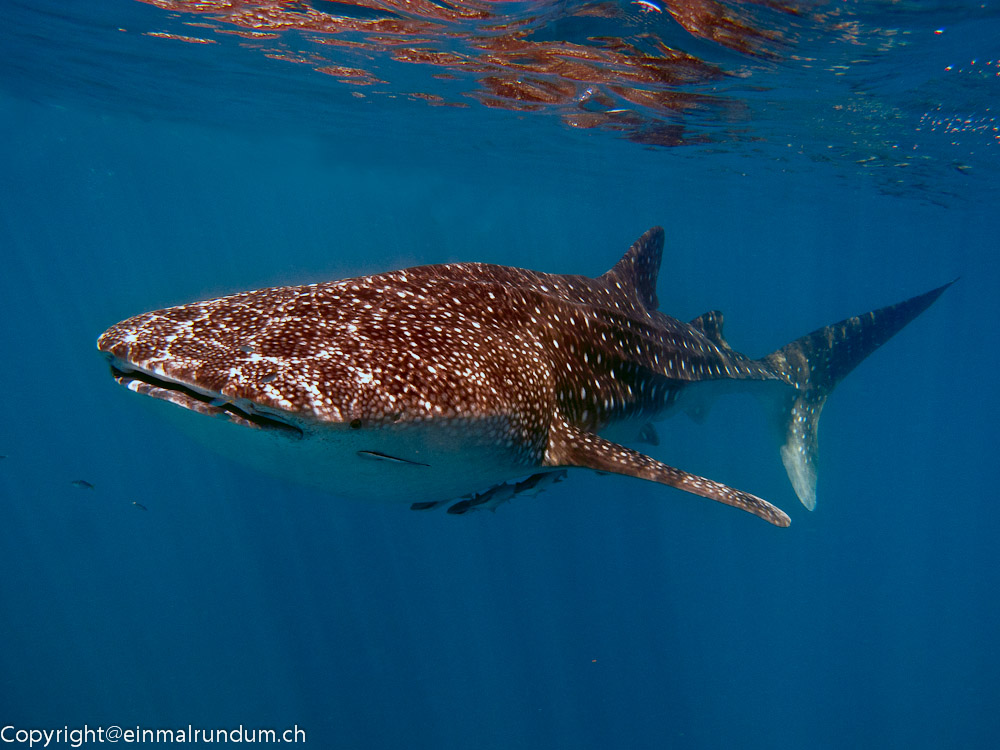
(436, 382)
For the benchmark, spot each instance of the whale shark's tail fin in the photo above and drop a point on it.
(815, 363)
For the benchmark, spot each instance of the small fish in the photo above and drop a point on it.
(502, 493)
(428, 505)
(139, 505)
(538, 482)
(82, 484)
(488, 500)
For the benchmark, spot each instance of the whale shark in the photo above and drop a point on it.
(467, 384)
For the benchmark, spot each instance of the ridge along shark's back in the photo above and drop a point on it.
(434, 382)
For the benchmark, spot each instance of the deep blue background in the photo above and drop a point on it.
(606, 612)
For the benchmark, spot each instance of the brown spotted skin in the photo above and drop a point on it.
(541, 362)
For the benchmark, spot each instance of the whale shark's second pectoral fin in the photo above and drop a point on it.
(569, 446)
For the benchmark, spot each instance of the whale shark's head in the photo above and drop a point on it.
(379, 349)
(229, 358)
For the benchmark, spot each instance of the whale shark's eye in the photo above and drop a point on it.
(355, 424)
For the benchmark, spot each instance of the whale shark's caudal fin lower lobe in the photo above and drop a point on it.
(815, 363)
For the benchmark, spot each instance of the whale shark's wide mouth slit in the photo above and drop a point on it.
(148, 384)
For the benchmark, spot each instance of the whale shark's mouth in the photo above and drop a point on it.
(242, 411)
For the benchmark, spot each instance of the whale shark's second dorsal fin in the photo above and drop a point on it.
(639, 268)
(710, 324)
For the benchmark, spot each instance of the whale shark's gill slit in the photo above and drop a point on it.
(212, 404)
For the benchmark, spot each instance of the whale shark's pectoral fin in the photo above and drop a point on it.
(569, 446)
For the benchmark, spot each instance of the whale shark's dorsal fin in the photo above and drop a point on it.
(639, 268)
(710, 324)
(571, 446)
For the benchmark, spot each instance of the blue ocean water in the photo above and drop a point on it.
(845, 167)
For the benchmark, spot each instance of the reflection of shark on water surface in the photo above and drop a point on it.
(431, 383)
